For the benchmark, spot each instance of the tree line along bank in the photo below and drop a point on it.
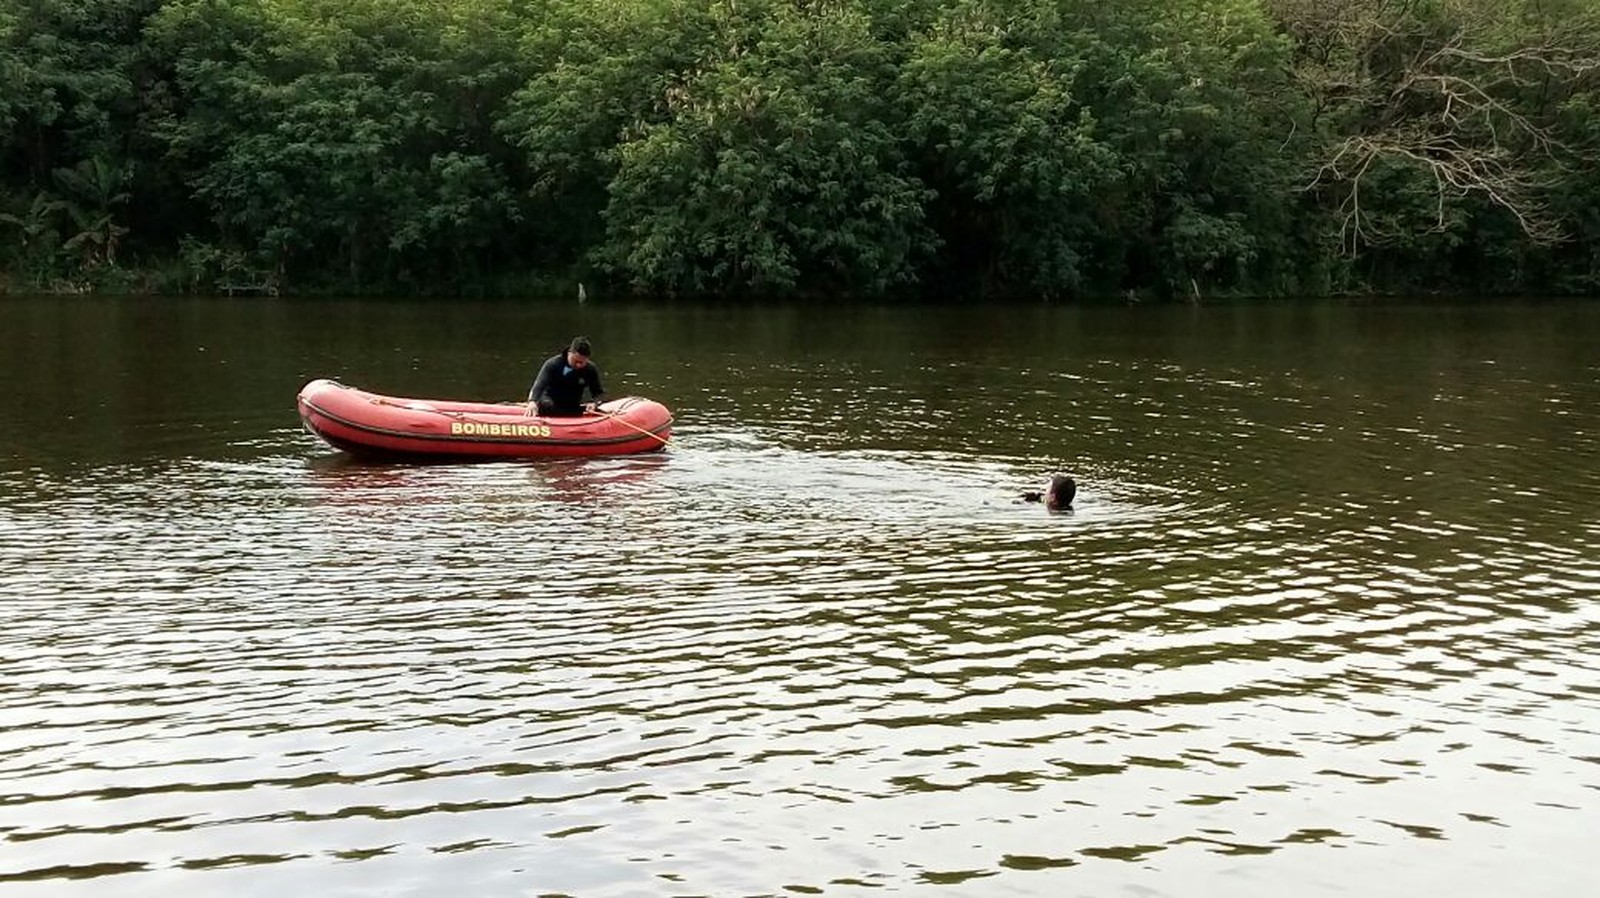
(1068, 149)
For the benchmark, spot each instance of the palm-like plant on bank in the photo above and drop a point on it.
(95, 186)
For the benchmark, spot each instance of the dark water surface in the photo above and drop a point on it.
(1325, 621)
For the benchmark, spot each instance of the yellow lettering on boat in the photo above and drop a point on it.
(474, 429)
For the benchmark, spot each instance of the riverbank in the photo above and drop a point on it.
(160, 283)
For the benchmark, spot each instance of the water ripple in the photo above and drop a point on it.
(767, 662)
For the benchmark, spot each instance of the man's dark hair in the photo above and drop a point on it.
(1062, 490)
(581, 346)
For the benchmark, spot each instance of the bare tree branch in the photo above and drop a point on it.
(1437, 97)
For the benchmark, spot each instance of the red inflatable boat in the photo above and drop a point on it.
(363, 423)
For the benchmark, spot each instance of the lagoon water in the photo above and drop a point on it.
(1324, 621)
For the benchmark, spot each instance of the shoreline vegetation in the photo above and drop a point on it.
(1069, 150)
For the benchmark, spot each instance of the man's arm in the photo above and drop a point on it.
(596, 392)
(541, 385)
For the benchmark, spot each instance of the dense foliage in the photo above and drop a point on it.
(1057, 148)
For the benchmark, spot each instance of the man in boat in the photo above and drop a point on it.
(1057, 495)
(558, 390)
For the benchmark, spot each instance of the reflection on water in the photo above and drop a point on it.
(819, 647)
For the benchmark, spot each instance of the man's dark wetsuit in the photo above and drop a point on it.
(559, 387)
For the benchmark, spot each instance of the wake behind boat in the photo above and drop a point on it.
(372, 424)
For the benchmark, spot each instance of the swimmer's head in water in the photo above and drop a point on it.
(1061, 492)
(1057, 495)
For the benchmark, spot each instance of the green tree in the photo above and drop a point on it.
(94, 188)
(352, 141)
(777, 168)
(1012, 155)
(1437, 127)
(601, 71)
(80, 89)
(1058, 148)
(1190, 96)
(30, 238)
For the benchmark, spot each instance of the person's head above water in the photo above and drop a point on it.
(1057, 495)
(579, 351)
(1061, 491)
